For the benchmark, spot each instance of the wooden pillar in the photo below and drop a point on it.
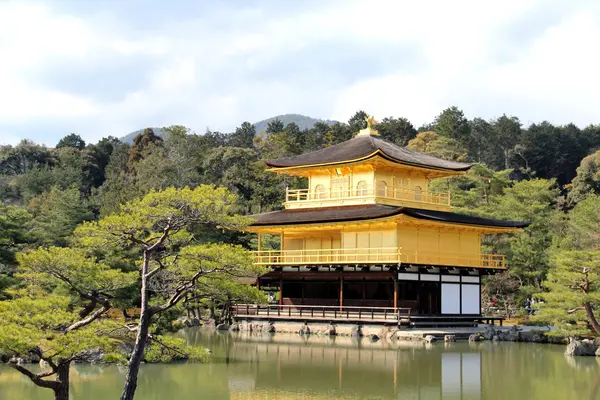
(341, 292)
(280, 291)
(418, 283)
(364, 291)
(395, 294)
(259, 241)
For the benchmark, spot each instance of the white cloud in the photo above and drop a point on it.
(38, 37)
(552, 80)
(229, 65)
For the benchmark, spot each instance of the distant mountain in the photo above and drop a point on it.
(130, 136)
(302, 121)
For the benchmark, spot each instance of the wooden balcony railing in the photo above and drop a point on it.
(327, 313)
(365, 192)
(328, 256)
(454, 259)
(377, 255)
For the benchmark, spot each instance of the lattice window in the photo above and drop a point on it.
(418, 192)
(382, 188)
(339, 186)
(361, 188)
(320, 192)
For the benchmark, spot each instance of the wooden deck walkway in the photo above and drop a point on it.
(351, 314)
(381, 315)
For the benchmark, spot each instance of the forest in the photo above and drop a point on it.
(59, 205)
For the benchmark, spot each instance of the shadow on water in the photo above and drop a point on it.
(317, 367)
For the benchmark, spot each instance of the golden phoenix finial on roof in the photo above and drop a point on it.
(370, 121)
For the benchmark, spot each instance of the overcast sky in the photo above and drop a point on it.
(102, 68)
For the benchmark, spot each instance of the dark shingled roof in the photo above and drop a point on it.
(372, 211)
(362, 146)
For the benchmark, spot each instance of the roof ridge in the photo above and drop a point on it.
(361, 147)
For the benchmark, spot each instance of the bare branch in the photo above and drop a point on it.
(160, 267)
(38, 352)
(153, 338)
(35, 378)
(91, 318)
(162, 238)
(179, 294)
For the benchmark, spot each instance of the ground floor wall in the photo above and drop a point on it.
(424, 293)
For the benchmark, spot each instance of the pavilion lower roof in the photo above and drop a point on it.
(373, 211)
(364, 147)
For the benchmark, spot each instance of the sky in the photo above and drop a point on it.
(110, 67)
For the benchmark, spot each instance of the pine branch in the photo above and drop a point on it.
(35, 378)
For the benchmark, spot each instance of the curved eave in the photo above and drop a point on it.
(378, 152)
(319, 218)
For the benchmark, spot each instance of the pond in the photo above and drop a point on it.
(294, 367)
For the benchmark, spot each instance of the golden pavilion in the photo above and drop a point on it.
(367, 236)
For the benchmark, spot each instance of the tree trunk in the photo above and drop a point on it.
(141, 339)
(592, 318)
(125, 315)
(87, 310)
(226, 317)
(61, 391)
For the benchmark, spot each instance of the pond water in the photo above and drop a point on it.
(293, 367)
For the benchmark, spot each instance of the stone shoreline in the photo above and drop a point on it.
(377, 332)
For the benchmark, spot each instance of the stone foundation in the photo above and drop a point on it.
(377, 332)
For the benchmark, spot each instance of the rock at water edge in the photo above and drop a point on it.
(429, 339)
(475, 338)
(356, 331)
(223, 327)
(581, 348)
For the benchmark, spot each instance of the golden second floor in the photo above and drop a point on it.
(384, 243)
(375, 182)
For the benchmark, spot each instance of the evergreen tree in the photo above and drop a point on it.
(244, 135)
(396, 130)
(171, 264)
(587, 180)
(73, 141)
(452, 123)
(56, 213)
(275, 126)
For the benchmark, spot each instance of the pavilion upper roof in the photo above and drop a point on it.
(363, 147)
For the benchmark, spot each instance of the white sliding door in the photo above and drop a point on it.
(471, 302)
(450, 298)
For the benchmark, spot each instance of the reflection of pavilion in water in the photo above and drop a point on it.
(318, 369)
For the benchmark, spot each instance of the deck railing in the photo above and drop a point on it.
(377, 255)
(346, 313)
(366, 192)
(454, 259)
(328, 256)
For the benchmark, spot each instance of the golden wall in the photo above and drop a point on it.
(408, 238)
(401, 179)
(421, 243)
(398, 178)
(328, 180)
